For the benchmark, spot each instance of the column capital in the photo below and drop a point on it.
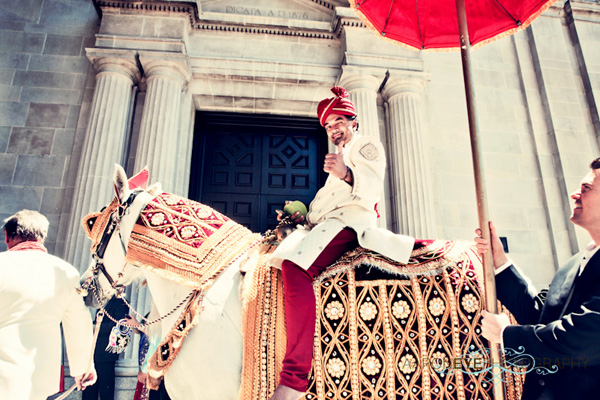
(407, 83)
(168, 65)
(122, 62)
(356, 80)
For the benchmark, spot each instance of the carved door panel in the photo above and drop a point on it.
(246, 166)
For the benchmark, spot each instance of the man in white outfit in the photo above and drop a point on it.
(342, 216)
(37, 294)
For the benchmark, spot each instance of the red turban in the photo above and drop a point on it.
(337, 105)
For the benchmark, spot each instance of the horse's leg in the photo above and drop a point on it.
(210, 361)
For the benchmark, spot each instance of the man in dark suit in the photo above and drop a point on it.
(104, 359)
(562, 331)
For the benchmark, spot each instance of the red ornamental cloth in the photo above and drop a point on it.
(433, 24)
(339, 104)
(141, 392)
(29, 245)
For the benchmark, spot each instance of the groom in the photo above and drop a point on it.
(342, 216)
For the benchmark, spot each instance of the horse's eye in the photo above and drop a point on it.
(91, 222)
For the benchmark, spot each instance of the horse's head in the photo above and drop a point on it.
(109, 231)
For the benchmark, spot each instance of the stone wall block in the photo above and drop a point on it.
(63, 45)
(30, 141)
(117, 24)
(164, 28)
(62, 144)
(28, 171)
(8, 162)
(52, 201)
(6, 76)
(13, 60)
(69, 13)
(13, 113)
(21, 42)
(58, 63)
(73, 116)
(44, 79)
(10, 93)
(15, 198)
(4, 136)
(50, 96)
(47, 115)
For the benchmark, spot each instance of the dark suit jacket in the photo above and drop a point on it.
(562, 331)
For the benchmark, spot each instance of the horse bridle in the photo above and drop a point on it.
(100, 249)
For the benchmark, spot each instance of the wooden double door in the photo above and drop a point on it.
(246, 166)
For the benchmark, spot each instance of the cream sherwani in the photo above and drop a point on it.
(338, 205)
(37, 293)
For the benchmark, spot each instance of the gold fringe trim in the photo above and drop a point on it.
(428, 260)
(168, 349)
(263, 328)
(181, 263)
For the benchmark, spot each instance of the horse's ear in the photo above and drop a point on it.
(121, 185)
(140, 180)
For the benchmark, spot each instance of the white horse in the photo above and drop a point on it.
(213, 369)
(210, 365)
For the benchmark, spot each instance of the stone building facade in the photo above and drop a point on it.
(87, 84)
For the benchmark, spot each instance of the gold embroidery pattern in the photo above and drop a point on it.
(185, 241)
(263, 327)
(403, 335)
(369, 151)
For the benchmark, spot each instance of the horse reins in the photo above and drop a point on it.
(98, 256)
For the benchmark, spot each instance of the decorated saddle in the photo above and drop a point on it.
(384, 330)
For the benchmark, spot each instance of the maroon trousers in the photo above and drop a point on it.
(300, 313)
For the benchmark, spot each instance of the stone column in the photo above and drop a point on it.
(412, 190)
(363, 93)
(188, 116)
(104, 145)
(161, 146)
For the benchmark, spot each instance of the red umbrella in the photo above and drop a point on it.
(433, 24)
(444, 24)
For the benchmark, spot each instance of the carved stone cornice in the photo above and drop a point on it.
(151, 7)
(200, 20)
(345, 17)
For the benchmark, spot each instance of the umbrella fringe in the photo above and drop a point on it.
(524, 24)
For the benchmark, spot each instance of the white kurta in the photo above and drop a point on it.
(37, 293)
(338, 205)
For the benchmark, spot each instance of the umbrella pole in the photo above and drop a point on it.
(491, 304)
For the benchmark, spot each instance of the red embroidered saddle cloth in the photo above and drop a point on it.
(186, 241)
